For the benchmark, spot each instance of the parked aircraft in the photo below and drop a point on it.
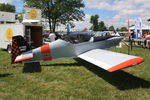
(87, 47)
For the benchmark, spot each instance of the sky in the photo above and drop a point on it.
(112, 12)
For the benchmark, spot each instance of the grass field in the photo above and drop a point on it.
(75, 80)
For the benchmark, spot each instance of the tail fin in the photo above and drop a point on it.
(19, 45)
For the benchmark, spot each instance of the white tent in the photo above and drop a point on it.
(144, 27)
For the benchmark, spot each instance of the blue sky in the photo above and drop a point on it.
(18, 4)
(102, 13)
(112, 12)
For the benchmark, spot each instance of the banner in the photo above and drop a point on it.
(128, 28)
(135, 28)
(140, 26)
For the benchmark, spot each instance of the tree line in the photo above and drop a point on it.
(100, 25)
(7, 7)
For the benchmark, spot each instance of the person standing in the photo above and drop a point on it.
(52, 37)
(145, 40)
(148, 40)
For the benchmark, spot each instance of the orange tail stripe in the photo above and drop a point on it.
(126, 64)
(45, 49)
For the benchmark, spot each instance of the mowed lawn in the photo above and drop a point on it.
(72, 79)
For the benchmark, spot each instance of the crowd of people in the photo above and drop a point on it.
(146, 38)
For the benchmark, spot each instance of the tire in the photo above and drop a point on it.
(9, 48)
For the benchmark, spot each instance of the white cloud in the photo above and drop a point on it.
(100, 4)
(8, 1)
(124, 9)
(80, 25)
(5, 1)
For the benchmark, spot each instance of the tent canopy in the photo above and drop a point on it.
(144, 27)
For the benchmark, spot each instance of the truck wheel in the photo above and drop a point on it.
(9, 48)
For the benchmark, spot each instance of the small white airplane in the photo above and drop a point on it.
(91, 49)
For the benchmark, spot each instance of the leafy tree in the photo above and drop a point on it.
(102, 26)
(19, 17)
(59, 11)
(94, 21)
(111, 28)
(132, 25)
(7, 7)
(123, 29)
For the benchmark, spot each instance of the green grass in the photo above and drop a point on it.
(71, 79)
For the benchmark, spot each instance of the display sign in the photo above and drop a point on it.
(32, 14)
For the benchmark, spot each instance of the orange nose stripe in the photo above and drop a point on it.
(45, 49)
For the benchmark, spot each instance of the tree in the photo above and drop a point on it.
(111, 28)
(59, 11)
(123, 29)
(94, 21)
(19, 17)
(7, 7)
(102, 26)
(117, 29)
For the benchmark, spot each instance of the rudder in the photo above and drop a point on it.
(19, 45)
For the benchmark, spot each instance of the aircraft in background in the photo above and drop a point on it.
(84, 46)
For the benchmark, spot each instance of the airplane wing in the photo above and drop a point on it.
(110, 61)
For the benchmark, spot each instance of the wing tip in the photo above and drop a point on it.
(126, 64)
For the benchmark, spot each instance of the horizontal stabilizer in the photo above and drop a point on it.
(24, 56)
(110, 61)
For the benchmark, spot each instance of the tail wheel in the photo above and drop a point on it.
(9, 48)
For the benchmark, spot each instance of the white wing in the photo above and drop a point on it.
(110, 61)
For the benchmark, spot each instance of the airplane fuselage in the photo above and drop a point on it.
(61, 49)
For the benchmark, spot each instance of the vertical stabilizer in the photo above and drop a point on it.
(19, 45)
